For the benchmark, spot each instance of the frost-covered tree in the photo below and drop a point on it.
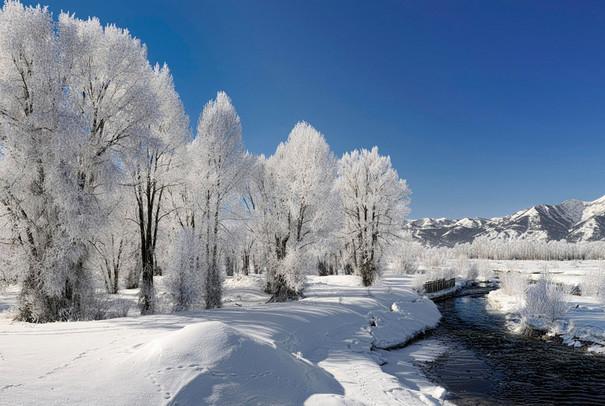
(9, 251)
(153, 159)
(375, 202)
(29, 89)
(114, 245)
(295, 208)
(519, 249)
(218, 171)
(74, 96)
(45, 184)
(127, 107)
(111, 87)
(244, 241)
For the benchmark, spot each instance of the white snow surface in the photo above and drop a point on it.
(401, 363)
(316, 351)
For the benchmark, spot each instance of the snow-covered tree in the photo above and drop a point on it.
(295, 204)
(218, 171)
(114, 245)
(153, 160)
(74, 96)
(28, 125)
(111, 87)
(375, 202)
(43, 144)
(519, 249)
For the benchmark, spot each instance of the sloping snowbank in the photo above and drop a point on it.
(402, 322)
(314, 351)
(211, 362)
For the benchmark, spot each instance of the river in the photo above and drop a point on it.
(485, 364)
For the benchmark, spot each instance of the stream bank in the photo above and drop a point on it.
(479, 361)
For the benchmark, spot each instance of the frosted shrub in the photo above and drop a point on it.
(405, 256)
(485, 272)
(7, 278)
(289, 276)
(120, 307)
(102, 306)
(544, 299)
(461, 265)
(472, 272)
(593, 283)
(419, 280)
(445, 273)
(97, 307)
(185, 271)
(466, 269)
(435, 257)
(408, 265)
(513, 284)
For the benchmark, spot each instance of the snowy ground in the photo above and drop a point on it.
(584, 322)
(568, 272)
(401, 363)
(314, 351)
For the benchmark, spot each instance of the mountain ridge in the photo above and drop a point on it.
(572, 220)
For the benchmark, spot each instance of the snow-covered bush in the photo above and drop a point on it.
(466, 268)
(419, 280)
(8, 276)
(485, 272)
(97, 307)
(185, 273)
(293, 268)
(120, 307)
(472, 272)
(408, 265)
(436, 257)
(404, 256)
(593, 283)
(544, 300)
(101, 306)
(513, 283)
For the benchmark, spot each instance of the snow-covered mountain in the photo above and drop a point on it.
(572, 220)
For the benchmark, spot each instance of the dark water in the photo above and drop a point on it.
(485, 364)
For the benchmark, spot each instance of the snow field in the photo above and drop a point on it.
(315, 351)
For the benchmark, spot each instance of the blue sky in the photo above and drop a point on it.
(485, 107)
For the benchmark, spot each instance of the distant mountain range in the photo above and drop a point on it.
(573, 220)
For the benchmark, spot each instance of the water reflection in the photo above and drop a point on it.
(485, 364)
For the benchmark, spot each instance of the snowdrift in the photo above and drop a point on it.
(311, 352)
(403, 322)
(213, 363)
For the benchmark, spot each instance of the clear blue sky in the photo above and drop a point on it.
(485, 107)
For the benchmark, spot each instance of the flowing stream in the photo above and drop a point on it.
(485, 364)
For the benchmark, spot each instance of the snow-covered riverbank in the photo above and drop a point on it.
(314, 351)
(582, 325)
(582, 321)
